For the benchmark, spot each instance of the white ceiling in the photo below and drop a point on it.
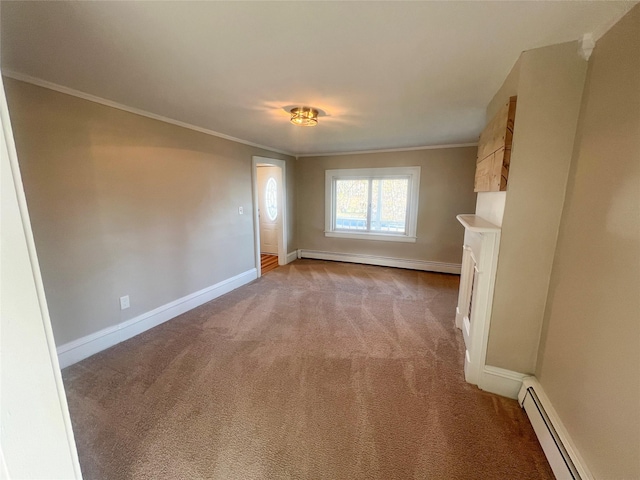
(387, 74)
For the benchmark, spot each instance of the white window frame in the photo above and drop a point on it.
(412, 173)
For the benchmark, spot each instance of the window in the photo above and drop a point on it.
(372, 203)
(271, 199)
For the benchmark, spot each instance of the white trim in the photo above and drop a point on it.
(282, 231)
(59, 429)
(292, 256)
(475, 223)
(4, 473)
(426, 266)
(84, 347)
(370, 236)
(109, 103)
(464, 292)
(587, 44)
(482, 239)
(558, 426)
(390, 150)
(500, 381)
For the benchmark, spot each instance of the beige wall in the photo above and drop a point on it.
(124, 205)
(589, 363)
(550, 81)
(446, 189)
(490, 205)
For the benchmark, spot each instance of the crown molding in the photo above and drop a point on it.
(390, 150)
(137, 111)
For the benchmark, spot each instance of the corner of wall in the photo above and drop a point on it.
(550, 82)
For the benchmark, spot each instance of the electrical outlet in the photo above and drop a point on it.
(124, 302)
(240, 210)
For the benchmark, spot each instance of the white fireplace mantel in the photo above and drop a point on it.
(474, 223)
(475, 298)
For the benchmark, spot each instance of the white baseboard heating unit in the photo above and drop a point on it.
(564, 459)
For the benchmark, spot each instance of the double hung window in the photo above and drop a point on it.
(373, 203)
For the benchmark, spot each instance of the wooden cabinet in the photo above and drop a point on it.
(494, 150)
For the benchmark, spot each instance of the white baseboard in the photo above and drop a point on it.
(500, 381)
(292, 256)
(559, 448)
(459, 318)
(84, 347)
(382, 261)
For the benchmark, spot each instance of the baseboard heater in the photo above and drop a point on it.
(552, 436)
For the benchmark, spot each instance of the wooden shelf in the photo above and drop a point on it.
(494, 150)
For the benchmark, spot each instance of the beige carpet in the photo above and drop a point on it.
(318, 370)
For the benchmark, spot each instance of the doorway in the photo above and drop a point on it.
(269, 206)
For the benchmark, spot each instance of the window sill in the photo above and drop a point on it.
(372, 236)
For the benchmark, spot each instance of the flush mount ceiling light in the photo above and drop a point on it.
(304, 116)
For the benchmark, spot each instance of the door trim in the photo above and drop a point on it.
(35, 422)
(282, 233)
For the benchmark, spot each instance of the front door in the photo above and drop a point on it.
(269, 183)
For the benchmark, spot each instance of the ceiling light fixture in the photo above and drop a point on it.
(304, 116)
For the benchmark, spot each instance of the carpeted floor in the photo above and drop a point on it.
(319, 370)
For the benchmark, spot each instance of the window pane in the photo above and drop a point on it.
(271, 199)
(389, 205)
(351, 204)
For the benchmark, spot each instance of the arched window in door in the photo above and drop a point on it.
(271, 199)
